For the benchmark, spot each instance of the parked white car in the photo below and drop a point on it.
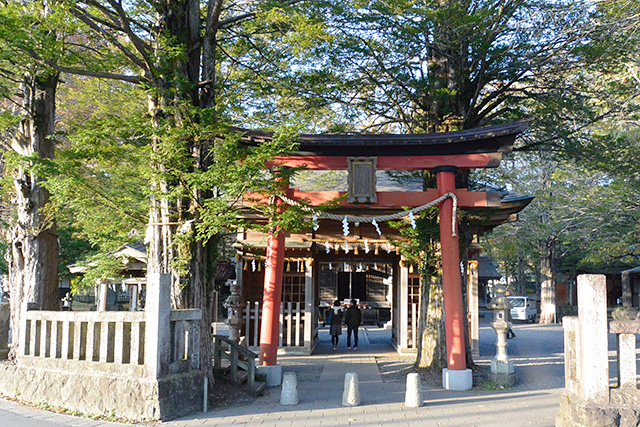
(523, 308)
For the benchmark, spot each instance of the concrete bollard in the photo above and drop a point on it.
(351, 395)
(289, 394)
(413, 395)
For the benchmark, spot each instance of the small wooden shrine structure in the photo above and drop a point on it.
(287, 277)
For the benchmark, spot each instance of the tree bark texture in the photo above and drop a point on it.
(33, 261)
(432, 346)
(192, 289)
(548, 284)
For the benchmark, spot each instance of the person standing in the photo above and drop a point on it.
(335, 323)
(353, 319)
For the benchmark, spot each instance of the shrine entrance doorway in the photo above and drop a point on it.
(370, 283)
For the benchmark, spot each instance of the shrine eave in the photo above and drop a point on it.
(492, 139)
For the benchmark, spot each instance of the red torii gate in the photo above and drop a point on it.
(444, 154)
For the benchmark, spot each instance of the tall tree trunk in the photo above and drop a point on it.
(432, 345)
(181, 91)
(33, 263)
(522, 283)
(548, 285)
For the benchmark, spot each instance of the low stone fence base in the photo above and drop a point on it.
(576, 412)
(136, 399)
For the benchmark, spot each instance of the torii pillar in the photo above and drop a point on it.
(455, 376)
(272, 296)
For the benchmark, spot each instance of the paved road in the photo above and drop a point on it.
(536, 351)
(16, 415)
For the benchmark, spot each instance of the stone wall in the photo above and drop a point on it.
(94, 393)
(577, 412)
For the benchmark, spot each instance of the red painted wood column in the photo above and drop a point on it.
(452, 282)
(272, 294)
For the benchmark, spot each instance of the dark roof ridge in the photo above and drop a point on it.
(257, 136)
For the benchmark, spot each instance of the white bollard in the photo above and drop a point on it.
(289, 394)
(351, 395)
(413, 395)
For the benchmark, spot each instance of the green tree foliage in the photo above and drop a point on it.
(592, 216)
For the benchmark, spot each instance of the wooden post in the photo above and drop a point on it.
(452, 282)
(474, 329)
(272, 296)
(627, 297)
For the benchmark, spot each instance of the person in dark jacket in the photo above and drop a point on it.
(335, 322)
(353, 319)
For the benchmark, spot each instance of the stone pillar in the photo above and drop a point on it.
(592, 342)
(157, 345)
(133, 301)
(102, 296)
(456, 376)
(5, 310)
(627, 296)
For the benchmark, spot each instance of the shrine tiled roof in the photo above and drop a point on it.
(491, 139)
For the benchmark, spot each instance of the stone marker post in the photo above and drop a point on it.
(351, 394)
(289, 393)
(157, 350)
(592, 342)
(413, 394)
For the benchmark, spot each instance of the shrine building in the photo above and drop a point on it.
(288, 279)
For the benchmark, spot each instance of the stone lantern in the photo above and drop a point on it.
(502, 372)
(233, 304)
